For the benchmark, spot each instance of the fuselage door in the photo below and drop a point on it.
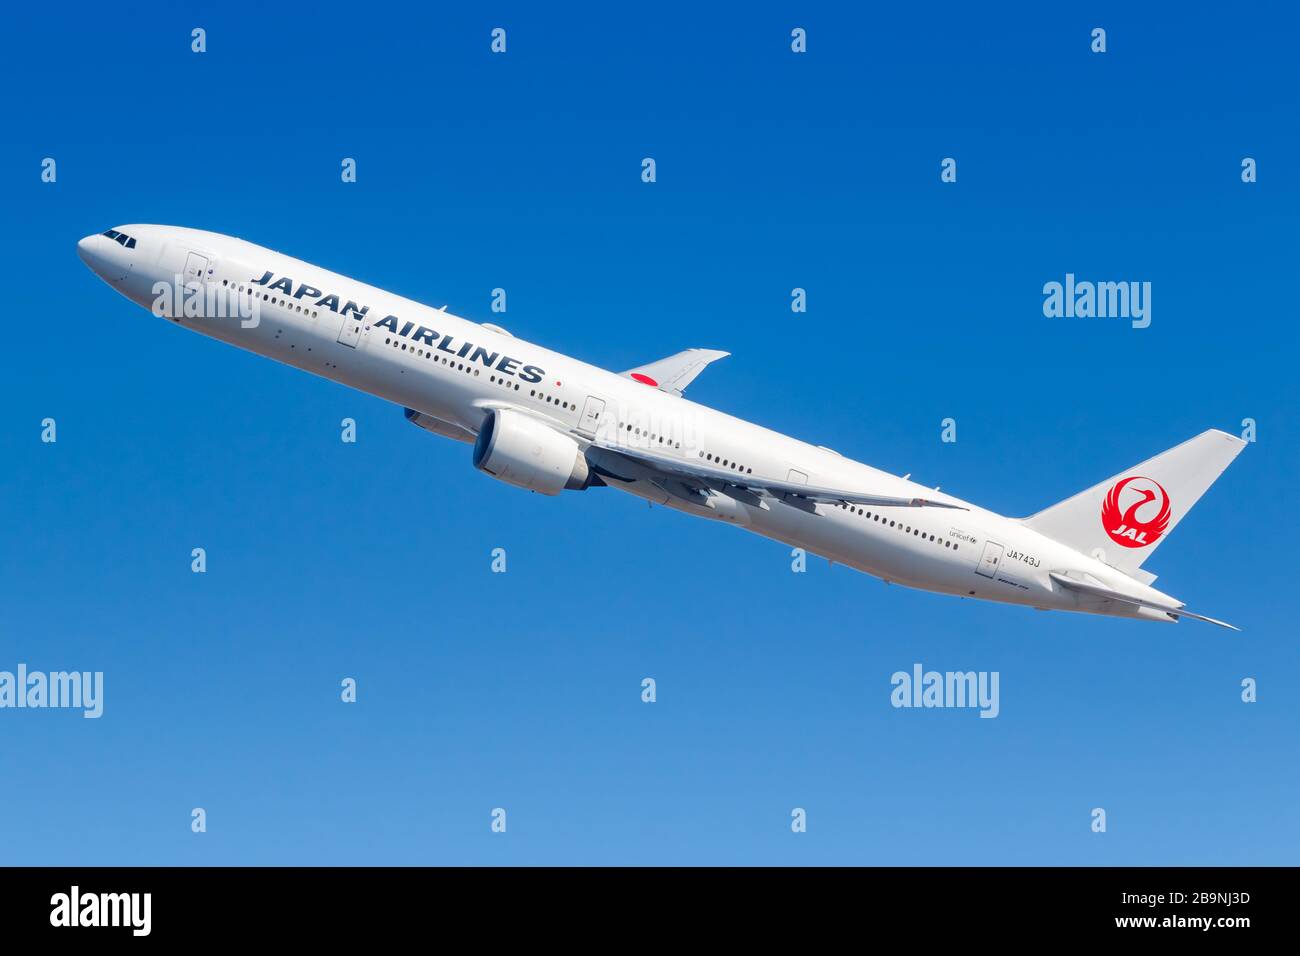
(990, 560)
(798, 477)
(196, 268)
(591, 413)
(350, 334)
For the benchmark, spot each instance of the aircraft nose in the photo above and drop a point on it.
(105, 257)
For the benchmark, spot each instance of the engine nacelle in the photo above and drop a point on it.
(521, 451)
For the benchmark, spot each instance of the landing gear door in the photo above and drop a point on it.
(591, 413)
(990, 560)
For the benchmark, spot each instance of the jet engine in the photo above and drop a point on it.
(522, 451)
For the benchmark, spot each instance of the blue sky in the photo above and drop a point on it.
(522, 690)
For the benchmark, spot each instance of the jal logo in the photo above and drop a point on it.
(1136, 512)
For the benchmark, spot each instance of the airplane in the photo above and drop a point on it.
(545, 422)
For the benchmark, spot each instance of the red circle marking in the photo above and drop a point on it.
(645, 379)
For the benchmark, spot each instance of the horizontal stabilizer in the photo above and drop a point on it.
(1095, 589)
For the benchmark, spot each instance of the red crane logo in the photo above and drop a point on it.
(1127, 528)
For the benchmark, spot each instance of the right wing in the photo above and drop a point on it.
(674, 373)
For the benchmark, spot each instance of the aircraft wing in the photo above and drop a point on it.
(438, 426)
(1097, 590)
(753, 489)
(674, 373)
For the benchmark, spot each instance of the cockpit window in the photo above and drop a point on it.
(120, 238)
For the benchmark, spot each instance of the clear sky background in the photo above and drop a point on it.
(372, 560)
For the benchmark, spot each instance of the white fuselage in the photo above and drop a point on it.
(455, 371)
